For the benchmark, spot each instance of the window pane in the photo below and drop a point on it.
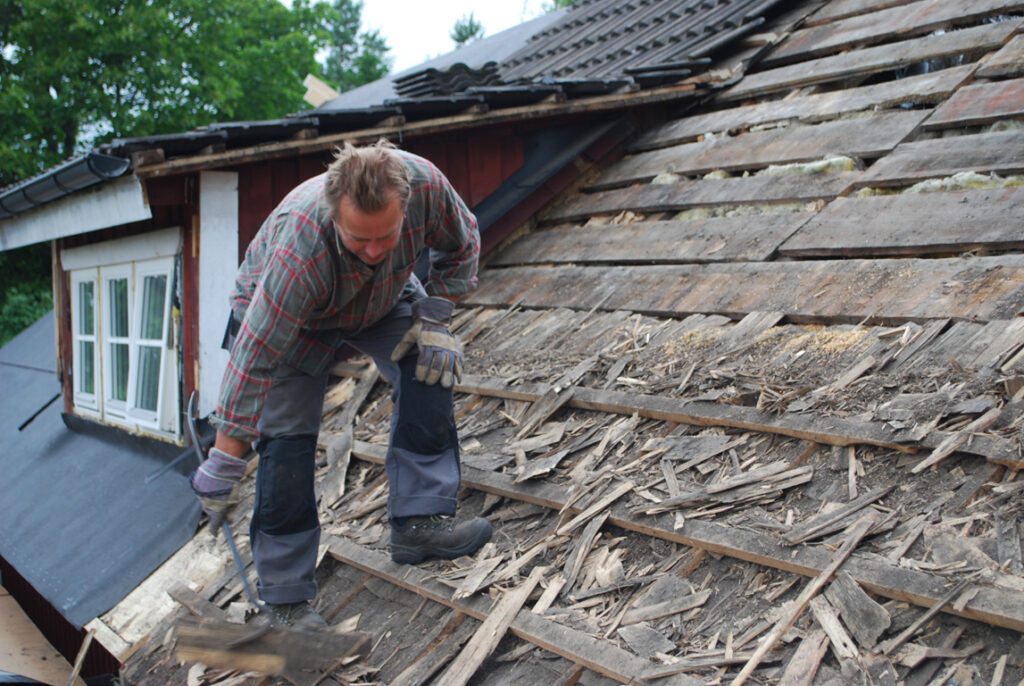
(119, 309)
(86, 372)
(148, 386)
(86, 318)
(119, 370)
(154, 289)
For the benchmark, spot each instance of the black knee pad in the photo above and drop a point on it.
(285, 499)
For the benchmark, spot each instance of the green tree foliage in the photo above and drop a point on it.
(75, 73)
(466, 30)
(24, 288)
(354, 57)
(553, 5)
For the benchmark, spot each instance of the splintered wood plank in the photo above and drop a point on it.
(1009, 61)
(997, 606)
(438, 653)
(1001, 152)
(869, 137)
(293, 653)
(866, 619)
(650, 198)
(594, 654)
(924, 88)
(890, 291)
(998, 343)
(840, 9)
(875, 59)
(698, 240)
(913, 224)
(665, 608)
(915, 19)
(490, 633)
(802, 667)
(196, 604)
(980, 103)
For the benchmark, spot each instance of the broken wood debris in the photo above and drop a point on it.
(865, 619)
(1002, 607)
(814, 526)
(596, 655)
(857, 532)
(958, 439)
(486, 639)
(297, 655)
(892, 644)
(764, 482)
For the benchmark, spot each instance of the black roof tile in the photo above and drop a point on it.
(603, 38)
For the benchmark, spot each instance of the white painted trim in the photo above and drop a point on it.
(144, 246)
(218, 264)
(81, 398)
(117, 202)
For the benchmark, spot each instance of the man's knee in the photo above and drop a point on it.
(285, 499)
(426, 420)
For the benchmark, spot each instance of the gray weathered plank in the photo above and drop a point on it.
(914, 19)
(980, 103)
(1002, 153)
(923, 88)
(649, 198)
(865, 618)
(875, 59)
(847, 291)
(1009, 61)
(999, 342)
(841, 9)
(913, 224)
(665, 242)
(867, 137)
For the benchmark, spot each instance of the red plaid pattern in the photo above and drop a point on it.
(299, 291)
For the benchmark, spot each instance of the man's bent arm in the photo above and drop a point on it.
(231, 445)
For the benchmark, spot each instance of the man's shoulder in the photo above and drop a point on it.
(305, 195)
(419, 167)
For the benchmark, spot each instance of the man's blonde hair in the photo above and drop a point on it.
(368, 176)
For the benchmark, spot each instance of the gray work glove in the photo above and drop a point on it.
(215, 483)
(440, 356)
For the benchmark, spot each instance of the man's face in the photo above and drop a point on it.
(369, 236)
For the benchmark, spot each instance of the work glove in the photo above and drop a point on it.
(215, 483)
(440, 357)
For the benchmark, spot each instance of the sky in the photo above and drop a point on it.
(417, 30)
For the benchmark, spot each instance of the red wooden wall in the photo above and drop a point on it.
(475, 163)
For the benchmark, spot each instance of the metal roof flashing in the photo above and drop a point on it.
(75, 174)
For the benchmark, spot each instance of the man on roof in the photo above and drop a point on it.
(333, 266)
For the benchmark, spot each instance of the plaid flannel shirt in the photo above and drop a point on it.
(299, 291)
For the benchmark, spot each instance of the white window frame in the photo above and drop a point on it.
(113, 408)
(82, 399)
(159, 267)
(134, 259)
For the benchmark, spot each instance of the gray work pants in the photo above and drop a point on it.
(422, 460)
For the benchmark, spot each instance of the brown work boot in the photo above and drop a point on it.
(420, 538)
(300, 615)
